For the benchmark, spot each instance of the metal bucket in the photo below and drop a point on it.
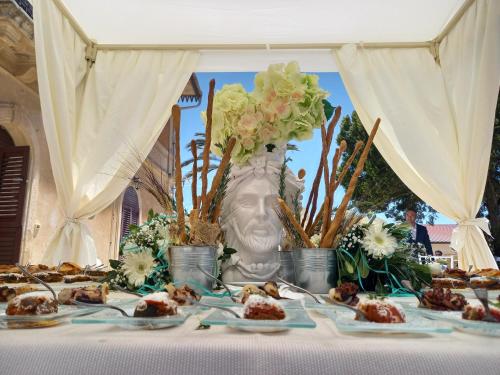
(183, 265)
(315, 269)
(286, 270)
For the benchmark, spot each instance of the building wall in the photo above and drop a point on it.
(42, 215)
(444, 247)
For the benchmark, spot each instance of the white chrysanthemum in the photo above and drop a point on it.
(138, 266)
(378, 242)
(316, 240)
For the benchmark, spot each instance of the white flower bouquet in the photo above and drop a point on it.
(379, 256)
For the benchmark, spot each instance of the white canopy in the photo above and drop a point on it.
(429, 69)
(274, 30)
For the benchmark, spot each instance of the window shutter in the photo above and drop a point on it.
(130, 211)
(13, 175)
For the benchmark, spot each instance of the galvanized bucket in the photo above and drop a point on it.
(286, 270)
(315, 269)
(183, 265)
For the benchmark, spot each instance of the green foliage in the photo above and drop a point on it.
(328, 109)
(491, 199)
(226, 254)
(115, 264)
(379, 189)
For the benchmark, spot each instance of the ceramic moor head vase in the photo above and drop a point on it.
(249, 221)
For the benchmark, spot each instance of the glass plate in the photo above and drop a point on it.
(469, 326)
(295, 318)
(227, 302)
(108, 316)
(344, 320)
(41, 321)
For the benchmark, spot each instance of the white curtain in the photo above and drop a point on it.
(98, 121)
(437, 119)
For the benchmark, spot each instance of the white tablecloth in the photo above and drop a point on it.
(103, 349)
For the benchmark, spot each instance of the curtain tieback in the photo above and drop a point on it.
(458, 235)
(71, 220)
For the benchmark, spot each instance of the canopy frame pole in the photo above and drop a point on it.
(72, 20)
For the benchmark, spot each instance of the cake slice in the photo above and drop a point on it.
(155, 305)
(48, 277)
(12, 278)
(345, 293)
(89, 294)
(36, 303)
(263, 308)
(381, 311)
(7, 293)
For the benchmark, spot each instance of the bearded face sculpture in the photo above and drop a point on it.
(249, 221)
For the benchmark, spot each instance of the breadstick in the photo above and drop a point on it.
(295, 223)
(176, 120)
(208, 141)
(339, 215)
(218, 177)
(195, 174)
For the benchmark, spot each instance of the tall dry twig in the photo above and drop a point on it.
(217, 178)
(289, 214)
(208, 141)
(339, 215)
(194, 182)
(176, 119)
(313, 196)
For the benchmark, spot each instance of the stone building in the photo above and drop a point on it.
(29, 213)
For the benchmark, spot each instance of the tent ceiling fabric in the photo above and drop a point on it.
(180, 22)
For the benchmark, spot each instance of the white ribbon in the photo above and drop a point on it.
(458, 235)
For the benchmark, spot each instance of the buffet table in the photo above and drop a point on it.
(99, 349)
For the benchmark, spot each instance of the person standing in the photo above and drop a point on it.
(419, 232)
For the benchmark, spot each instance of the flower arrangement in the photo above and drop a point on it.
(285, 105)
(379, 256)
(143, 266)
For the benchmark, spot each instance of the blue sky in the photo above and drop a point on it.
(309, 151)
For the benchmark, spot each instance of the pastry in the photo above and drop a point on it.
(477, 313)
(249, 290)
(271, 289)
(48, 277)
(345, 293)
(69, 279)
(68, 268)
(448, 282)
(7, 293)
(38, 268)
(485, 282)
(88, 294)
(487, 272)
(155, 305)
(381, 311)
(36, 303)
(456, 273)
(443, 299)
(182, 295)
(13, 278)
(8, 268)
(262, 308)
(96, 273)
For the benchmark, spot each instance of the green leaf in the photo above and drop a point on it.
(229, 250)
(133, 228)
(328, 109)
(151, 214)
(115, 264)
